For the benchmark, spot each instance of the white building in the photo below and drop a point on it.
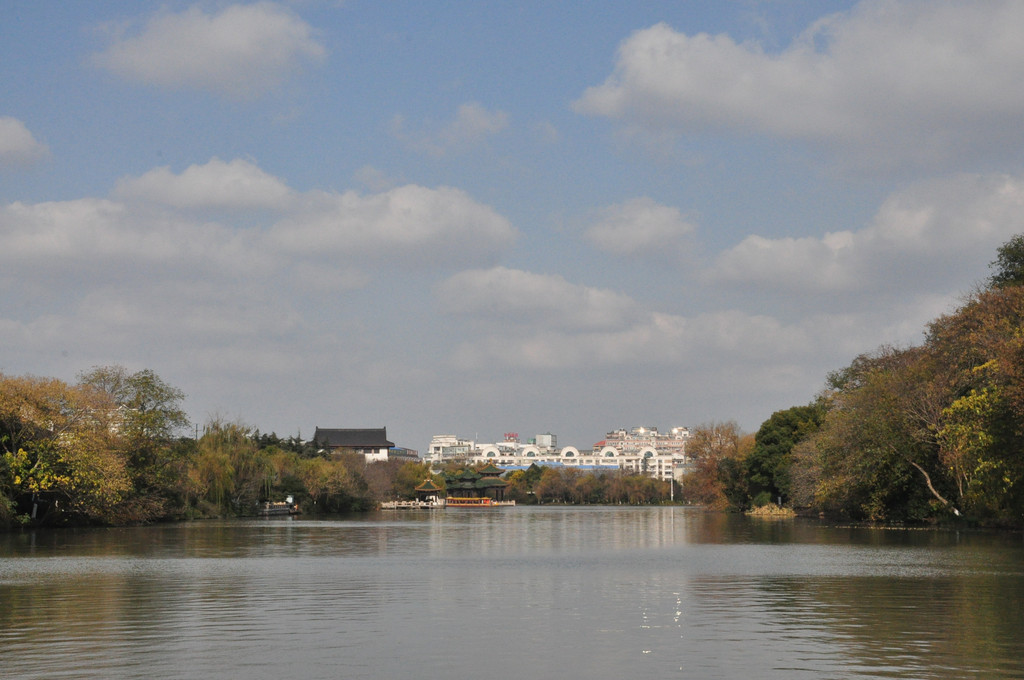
(447, 447)
(637, 451)
(546, 441)
(640, 438)
(372, 444)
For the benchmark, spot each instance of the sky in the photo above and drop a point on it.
(475, 218)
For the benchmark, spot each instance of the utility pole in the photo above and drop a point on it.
(672, 481)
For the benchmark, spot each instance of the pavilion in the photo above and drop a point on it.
(477, 484)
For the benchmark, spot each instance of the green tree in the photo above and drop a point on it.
(59, 448)
(981, 432)
(586, 488)
(1009, 264)
(151, 408)
(521, 484)
(551, 487)
(149, 416)
(329, 484)
(876, 448)
(409, 475)
(768, 464)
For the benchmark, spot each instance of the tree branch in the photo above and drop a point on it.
(928, 481)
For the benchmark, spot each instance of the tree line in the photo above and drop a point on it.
(540, 484)
(108, 450)
(920, 433)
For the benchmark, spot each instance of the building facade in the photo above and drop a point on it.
(372, 443)
(639, 451)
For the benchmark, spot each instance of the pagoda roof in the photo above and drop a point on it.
(490, 469)
(428, 485)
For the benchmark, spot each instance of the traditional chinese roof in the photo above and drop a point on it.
(490, 470)
(333, 438)
(461, 486)
(468, 480)
(428, 485)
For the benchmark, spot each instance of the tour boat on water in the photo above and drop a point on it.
(273, 509)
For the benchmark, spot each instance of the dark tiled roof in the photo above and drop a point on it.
(376, 438)
(428, 485)
(490, 469)
(472, 480)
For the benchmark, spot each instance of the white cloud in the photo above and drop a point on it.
(321, 241)
(933, 236)
(472, 124)
(238, 184)
(242, 51)
(640, 226)
(375, 179)
(221, 308)
(436, 226)
(689, 348)
(17, 144)
(537, 300)
(109, 241)
(896, 81)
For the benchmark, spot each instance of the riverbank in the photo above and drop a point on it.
(771, 510)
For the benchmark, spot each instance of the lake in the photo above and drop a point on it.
(539, 592)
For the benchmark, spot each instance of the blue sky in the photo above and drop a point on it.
(492, 217)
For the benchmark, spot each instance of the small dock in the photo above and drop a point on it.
(441, 503)
(412, 505)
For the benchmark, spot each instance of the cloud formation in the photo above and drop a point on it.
(149, 220)
(540, 300)
(892, 82)
(472, 124)
(241, 52)
(541, 321)
(436, 226)
(612, 333)
(640, 226)
(597, 288)
(17, 144)
(957, 221)
(238, 184)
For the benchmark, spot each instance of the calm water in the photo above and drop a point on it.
(595, 593)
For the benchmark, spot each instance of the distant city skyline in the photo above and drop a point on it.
(485, 217)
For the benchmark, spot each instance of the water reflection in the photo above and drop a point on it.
(590, 592)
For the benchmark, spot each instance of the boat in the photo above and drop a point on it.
(278, 508)
(412, 505)
(472, 502)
